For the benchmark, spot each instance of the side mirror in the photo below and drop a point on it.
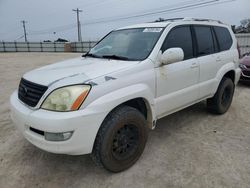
(172, 55)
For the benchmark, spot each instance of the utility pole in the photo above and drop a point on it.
(78, 24)
(24, 30)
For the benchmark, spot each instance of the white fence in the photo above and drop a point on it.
(46, 46)
(82, 46)
(243, 40)
(31, 47)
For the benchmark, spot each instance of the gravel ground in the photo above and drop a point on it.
(190, 148)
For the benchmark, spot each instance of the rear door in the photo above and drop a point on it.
(209, 61)
(224, 40)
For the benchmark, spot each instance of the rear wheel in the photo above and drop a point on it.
(220, 103)
(121, 139)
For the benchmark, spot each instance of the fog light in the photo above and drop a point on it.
(58, 136)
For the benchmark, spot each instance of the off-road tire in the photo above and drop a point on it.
(109, 143)
(220, 103)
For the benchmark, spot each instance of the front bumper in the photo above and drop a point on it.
(84, 123)
(237, 75)
(245, 76)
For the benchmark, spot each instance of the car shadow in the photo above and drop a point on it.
(45, 168)
(84, 164)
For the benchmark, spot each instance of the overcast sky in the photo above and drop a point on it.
(51, 19)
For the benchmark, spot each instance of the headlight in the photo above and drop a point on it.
(68, 98)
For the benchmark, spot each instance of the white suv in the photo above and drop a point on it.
(104, 102)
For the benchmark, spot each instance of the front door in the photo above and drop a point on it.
(177, 83)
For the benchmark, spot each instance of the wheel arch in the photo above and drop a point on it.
(143, 106)
(230, 74)
(138, 96)
(228, 71)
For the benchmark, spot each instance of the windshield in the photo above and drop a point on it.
(127, 44)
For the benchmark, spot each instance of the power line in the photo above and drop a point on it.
(148, 14)
(24, 30)
(168, 9)
(94, 4)
(10, 30)
(78, 24)
(54, 29)
(71, 26)
(176, 9)
(19, 37)
(110, 19)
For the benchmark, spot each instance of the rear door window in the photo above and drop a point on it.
(224, 38)
(205, 45)
(216, 45)
(180, 37)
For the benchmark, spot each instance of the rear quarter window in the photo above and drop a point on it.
(223, 37)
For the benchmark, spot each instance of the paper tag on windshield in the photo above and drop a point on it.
(152, 29)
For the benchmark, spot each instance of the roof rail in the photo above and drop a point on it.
(187, 19)
(201, 19)
(167, 20)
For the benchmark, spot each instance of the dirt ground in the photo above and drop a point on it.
(190, 148)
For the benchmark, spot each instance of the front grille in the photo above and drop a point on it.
(30, 93)
(248, 66)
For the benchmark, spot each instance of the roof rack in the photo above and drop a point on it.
(168, 20)
(188, 19)
(201, 20)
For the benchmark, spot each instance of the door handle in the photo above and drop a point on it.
(194, 65)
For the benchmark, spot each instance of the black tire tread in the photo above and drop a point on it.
(111, 117)
(212, 103)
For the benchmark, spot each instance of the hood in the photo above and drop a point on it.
(82, 68)
(245, 60)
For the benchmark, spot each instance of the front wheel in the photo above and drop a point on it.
(220, 103)
(121, 139)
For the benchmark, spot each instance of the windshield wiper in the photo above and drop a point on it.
(106, 56)
(91, 55)
(115, 57)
